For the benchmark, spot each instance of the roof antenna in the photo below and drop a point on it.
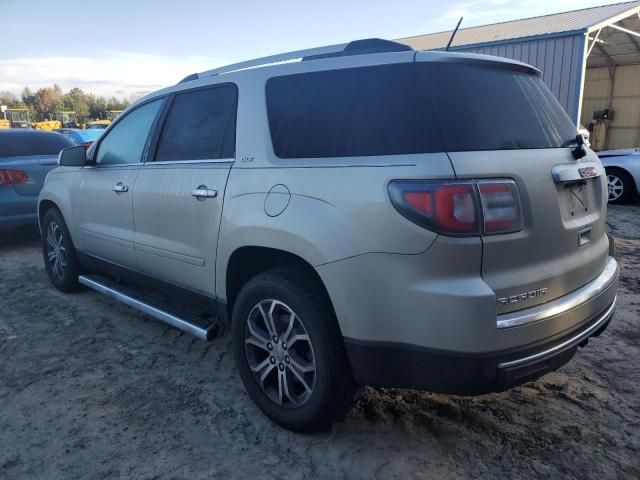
(453, 34)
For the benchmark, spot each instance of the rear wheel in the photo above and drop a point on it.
(620, 186)
(58, 252)
(289, 351)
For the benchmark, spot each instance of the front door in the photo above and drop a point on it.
(104, 206)
(178, 197)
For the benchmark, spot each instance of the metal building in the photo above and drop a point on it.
(590, 60)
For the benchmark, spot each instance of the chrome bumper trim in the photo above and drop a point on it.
(571, 342)
(565, 303)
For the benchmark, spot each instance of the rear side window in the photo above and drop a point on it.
(200, 125)
(422, 107)
(351, 112)
(22, 144)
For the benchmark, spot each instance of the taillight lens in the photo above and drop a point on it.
(87, 145)
(500, 206)
(13, 177)
(451, 208)
(459, 208)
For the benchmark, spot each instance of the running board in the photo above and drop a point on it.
(206, 330)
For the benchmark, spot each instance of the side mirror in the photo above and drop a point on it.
(72, 157)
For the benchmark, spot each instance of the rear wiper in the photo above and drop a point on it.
(580, 149)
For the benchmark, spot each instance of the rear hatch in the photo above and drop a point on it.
(498, 120)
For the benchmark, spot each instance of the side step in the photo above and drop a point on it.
(204, 328)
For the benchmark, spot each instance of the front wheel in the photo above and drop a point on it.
(289, 351)
(58, 252)
(620, 186)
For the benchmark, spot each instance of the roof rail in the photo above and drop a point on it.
(356, 47)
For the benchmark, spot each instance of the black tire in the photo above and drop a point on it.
(333, 387)
(64, 275)
(617, 178)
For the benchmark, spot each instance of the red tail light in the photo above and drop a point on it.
(87, 145)
(459, 208)
(13, 177)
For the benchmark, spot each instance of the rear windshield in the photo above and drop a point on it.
(413, 108)
(22, 144)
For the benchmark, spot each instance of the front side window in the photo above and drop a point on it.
(200, 125)
(125, 142)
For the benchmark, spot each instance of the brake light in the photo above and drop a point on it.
(13, 177)
(86, 145)
(459, 208)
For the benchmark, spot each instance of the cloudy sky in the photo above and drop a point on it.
(129, 47)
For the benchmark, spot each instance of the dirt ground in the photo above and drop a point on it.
(92, 389)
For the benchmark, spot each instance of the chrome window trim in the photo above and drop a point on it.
(565, 303)
(187, 162)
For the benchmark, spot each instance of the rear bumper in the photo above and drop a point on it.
(404, 365)
(15, 221)
(17, 210)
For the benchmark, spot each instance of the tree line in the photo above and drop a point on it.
(43, 103)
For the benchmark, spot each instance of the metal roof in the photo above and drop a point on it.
(584, 20)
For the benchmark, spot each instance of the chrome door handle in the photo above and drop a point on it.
(204, 192)
(120, 188)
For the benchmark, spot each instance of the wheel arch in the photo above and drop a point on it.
(248, 261)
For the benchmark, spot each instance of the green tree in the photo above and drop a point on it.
(76, 100)
(10, 100)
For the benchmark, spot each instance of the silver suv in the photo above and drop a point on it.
(361, 214)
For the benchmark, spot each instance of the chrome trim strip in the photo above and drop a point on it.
(565, 303)
(190, 162)
(161, 315)
(571, 172)
(604, 317)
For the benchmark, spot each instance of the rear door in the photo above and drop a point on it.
(500, 121)
(104, 199)
(177, 202)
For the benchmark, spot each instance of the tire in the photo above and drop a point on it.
(58, 252)
(620, 186)
(299, 308)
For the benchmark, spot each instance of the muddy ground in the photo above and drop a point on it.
(92, 389)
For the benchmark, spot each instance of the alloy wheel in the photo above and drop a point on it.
(56, 252)
(615, 187)
(279, 352)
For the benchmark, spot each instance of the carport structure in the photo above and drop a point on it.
(589, 58)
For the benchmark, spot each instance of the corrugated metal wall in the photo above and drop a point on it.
(559, 58)
(624, 130)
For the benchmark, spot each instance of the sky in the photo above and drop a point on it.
(130, 47)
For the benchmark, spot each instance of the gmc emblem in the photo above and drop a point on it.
(587, 172)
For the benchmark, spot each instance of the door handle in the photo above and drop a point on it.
(120, 188)
(203, 192)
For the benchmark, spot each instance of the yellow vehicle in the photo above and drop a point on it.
(61, 119)
(15, 118)
(110, 116)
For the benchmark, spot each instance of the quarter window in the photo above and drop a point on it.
(200, 125)
(126, 140)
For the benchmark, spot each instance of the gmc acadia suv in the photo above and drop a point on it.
(361, 214)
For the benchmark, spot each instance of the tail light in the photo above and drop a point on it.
(459, 208)
(86, 145)
(13, 177)
(500, 206)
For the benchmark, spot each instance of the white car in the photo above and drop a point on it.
(623, 173)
